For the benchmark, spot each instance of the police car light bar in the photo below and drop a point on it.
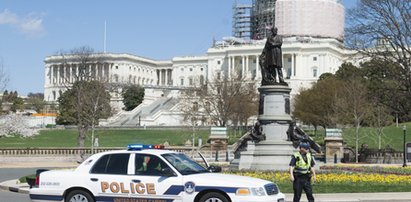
(144, 146)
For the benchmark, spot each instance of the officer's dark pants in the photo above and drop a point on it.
(302, 182)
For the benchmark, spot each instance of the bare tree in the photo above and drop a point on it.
(381, 29)
(379, 117)
(4, 77)
(353, 106)
(88, 97)
(222, 100)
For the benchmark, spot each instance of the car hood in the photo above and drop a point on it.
(225, 180)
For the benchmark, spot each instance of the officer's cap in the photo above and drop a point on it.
(304, 145)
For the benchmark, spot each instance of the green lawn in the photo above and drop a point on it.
(113, 137)
(107, 138)
(392, 135)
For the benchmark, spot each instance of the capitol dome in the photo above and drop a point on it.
(314, 18)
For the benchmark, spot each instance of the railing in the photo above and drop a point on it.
(385, 157)
(67, 152)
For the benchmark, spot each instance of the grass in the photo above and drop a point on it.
(112, 137)
(391, 135)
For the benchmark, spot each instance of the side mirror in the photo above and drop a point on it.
(167, 172)
(214, 169)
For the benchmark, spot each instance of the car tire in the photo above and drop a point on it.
(79, 196)
(214, 197)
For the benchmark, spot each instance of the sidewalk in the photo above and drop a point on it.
(14, 186)
(357, 197)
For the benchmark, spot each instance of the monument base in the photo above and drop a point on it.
(273, 153)
(263, 156)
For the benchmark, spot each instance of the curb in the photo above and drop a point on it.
(4, 186)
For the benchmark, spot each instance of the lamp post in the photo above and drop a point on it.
(404, 128)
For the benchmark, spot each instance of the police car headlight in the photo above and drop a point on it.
(258, 191)
(242, 192)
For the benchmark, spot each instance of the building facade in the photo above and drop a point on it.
(310, 48)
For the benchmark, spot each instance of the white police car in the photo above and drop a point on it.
(148, 175)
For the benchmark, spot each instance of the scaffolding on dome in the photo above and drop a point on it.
(242, 21)
(262, 18)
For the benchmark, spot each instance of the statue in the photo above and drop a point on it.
(255, 134)
(271, 60)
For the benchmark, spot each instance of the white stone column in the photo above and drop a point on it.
(229, 67)
(167, 77)
(257, 67)
(51, 74)
(247, 72)
(294, 62)
(159, 77)
(58, 74)
(243, 73)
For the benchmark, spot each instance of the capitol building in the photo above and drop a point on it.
(312, 33)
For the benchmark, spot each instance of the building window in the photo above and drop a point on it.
(315, 72)
(116, 67)
(218, 62)
(182, 82)
(190, 81)
(314, 58)
(202, 69)
(182, 69)
(191, 69)
(201, 80)
(254, 61)
(289, 59)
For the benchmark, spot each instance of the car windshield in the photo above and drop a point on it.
(183, 164)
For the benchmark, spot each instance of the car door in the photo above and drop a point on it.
(154, 179)
(109, 177)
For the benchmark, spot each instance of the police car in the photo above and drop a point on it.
(145, 173)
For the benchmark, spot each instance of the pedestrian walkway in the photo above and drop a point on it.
(15, 186)
(357, 197)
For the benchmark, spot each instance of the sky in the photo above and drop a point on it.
(158, 29)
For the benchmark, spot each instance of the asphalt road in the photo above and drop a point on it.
(10, 174)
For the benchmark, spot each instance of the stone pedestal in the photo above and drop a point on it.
(275, 152)
(218, 138)
(334, 150)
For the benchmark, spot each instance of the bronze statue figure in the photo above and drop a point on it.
(271, 60)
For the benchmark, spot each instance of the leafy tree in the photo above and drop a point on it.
(35, 101)
(316, 105)
(133, 95)
(84, 104)
(386, 88)
(18, 104)
(86, 100)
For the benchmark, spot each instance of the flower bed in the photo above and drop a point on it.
(369, 169)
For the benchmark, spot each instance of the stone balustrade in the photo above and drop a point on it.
(71, 152)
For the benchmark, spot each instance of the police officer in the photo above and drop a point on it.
(301, 171)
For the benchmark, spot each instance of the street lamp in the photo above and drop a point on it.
(404, 128)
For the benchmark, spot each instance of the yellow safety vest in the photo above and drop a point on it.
(301, 166)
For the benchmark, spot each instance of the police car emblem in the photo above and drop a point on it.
(189, 187)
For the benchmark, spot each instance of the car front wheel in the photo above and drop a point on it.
(79, 196)
(214, 197)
